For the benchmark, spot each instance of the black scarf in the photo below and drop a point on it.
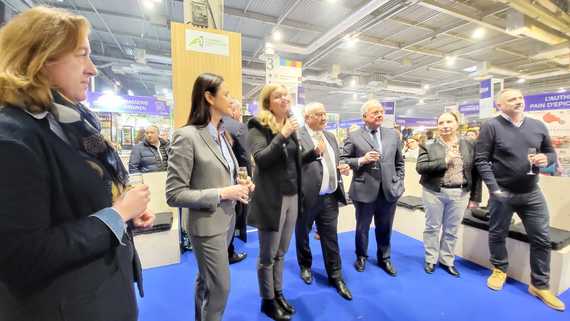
(83, 130)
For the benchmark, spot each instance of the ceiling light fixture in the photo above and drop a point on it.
(130, 92)
(351, 41)
(521, 81)
(353, 83)
(148, 4)
(561, 90)
(478, 33)
(426, 87)
(450, 60)
(277, 36)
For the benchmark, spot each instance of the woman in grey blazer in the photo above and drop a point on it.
(202, 178)
(276, 202)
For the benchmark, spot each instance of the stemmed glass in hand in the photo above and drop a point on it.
(375, 163)
(244, 178)
(531, 154)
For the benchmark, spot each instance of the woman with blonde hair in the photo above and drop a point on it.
(66, 252)
(276, 200)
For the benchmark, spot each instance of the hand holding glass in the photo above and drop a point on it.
(243, 178)
(376, 157)
(531, 153)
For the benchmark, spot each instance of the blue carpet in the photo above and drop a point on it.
(412, 295)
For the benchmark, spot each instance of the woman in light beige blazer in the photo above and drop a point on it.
(202, 178)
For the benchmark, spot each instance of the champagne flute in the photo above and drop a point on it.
(244, 178)
(531, 154)
(135, 179)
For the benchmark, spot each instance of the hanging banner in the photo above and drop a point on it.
(416, 122)
(553, 109)
(389, 112)
(486, 99)
(350, 122)
(101, 102)
(469, 109)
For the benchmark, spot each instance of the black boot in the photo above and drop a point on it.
(283, 302)
(273, 310)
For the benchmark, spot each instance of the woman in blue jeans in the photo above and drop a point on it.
(450, 183)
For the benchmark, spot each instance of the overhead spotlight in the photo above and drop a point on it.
(118, 83)
(351, 41)
(108, 92)
(354, 96)
(148, 4)
(521, 81)
(165, 91)
(421, 102)
(277, 36)
(353, 82)
(426, 87)
(561, 90)
(478, 33)
(130, 92)
(450, 60)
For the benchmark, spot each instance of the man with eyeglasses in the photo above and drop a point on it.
(374, 154)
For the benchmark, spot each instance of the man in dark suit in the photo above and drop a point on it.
(374, 154)
(322, 190)
(238, 133)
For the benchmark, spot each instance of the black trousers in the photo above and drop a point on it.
(325, 214)
(383, 213)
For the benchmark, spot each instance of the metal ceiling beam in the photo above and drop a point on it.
(467, 16)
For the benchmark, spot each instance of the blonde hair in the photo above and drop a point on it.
(265, 116)
(27, 42)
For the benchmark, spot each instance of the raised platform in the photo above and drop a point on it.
(159, 248)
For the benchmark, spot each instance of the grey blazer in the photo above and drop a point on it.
(366, 180)
(196, 170)
(313, 169)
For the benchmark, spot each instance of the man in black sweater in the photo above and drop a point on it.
(509, 147)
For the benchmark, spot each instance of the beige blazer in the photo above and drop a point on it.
(196, 170)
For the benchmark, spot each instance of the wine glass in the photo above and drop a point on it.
(531, 154)
(242, 174)
(135, 179)
(244, 178)
(375, 163)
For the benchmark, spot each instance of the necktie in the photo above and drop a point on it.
(374, 140)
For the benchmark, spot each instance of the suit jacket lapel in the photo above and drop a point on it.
(367, 137)
(205, 134)
(306, 138)
(384, 135)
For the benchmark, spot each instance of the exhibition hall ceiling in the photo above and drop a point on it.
(423, 54)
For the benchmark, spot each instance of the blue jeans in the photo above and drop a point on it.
(531, 208)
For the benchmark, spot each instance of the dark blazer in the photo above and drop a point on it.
(145, 157)
(270, 157)
(56, 262)
(431, 166)
(313, 169)
(366, 180)
(238, 133)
